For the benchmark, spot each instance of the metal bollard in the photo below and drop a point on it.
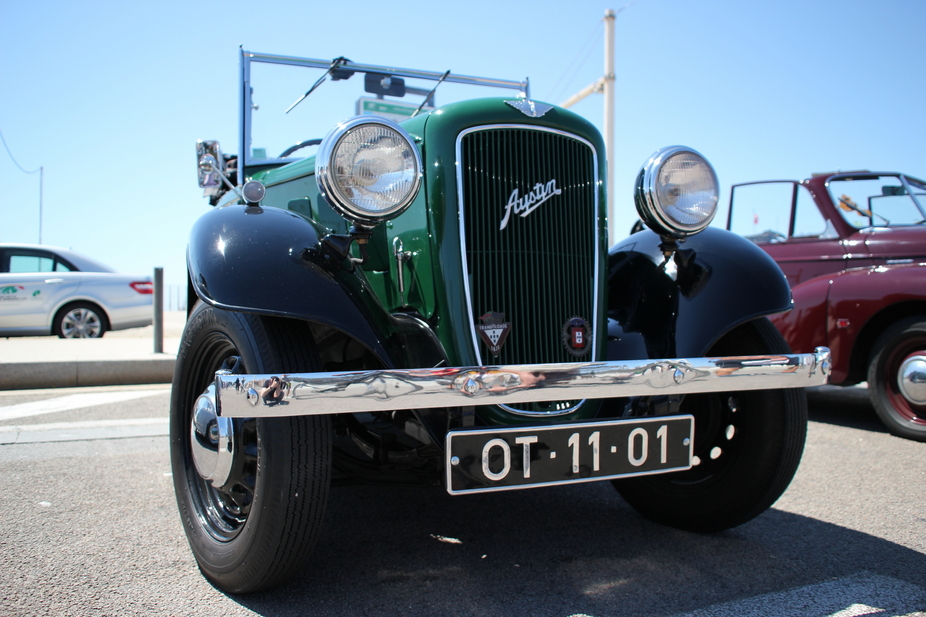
(159, 310)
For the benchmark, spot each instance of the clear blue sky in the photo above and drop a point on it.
(110, 97)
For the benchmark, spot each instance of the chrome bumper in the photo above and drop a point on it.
(243, 396)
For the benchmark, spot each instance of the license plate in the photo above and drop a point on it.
(523, 457)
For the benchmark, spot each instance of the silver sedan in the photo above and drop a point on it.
(48, 290)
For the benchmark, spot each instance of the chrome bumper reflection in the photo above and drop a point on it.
(241, 396)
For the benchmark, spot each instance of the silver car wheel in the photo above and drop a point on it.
(81, 323)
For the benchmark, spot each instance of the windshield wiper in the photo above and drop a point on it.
(848, 204)
(334, 64)
(430, 94)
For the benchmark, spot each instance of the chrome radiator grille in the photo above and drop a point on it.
(529, 233)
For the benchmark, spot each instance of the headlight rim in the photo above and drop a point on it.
(646, 198)
(330, 189)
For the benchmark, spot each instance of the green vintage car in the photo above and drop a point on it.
(431, 297)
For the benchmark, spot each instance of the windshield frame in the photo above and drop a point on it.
(246, 110)
(907, 181)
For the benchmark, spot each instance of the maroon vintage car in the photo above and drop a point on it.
(853, 247)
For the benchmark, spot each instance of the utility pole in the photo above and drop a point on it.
(609, 17)
(605, 85)
(41, 191)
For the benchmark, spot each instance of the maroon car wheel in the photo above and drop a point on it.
(897, 378)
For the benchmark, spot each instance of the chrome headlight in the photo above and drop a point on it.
(368, 169)
(677, 192)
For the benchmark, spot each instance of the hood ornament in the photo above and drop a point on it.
(530, 108)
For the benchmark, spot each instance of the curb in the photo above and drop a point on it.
(38, 375)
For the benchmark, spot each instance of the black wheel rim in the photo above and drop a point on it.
(719, 431)
(222, 511)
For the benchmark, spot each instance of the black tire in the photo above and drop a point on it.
(902, 409)
(758, 439)
(80, 320)
(259, 527)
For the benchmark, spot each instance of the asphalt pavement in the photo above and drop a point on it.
(118, 358)
(91, 529)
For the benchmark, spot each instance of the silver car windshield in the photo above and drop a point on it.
(879, 200)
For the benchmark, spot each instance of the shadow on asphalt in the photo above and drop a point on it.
(844, 406)
(559, 551)
(570, 550)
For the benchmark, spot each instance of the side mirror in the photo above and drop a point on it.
(210, 164)
(212, 175)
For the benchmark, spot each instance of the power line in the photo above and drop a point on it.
(584, 51)
(13, 158)
(41, 172)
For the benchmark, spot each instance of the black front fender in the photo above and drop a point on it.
(258, 260)
(715, 281)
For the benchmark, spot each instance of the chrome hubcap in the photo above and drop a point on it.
(81, 323)
(911, 379)
(211, 440)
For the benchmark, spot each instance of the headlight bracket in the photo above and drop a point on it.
(335, 248)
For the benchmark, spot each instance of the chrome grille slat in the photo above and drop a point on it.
(541, 269)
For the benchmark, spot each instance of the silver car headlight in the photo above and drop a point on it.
(677, 192)
(368, 169)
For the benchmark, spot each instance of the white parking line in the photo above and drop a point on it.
(73, 401)
(81, 431)
(852, 596)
